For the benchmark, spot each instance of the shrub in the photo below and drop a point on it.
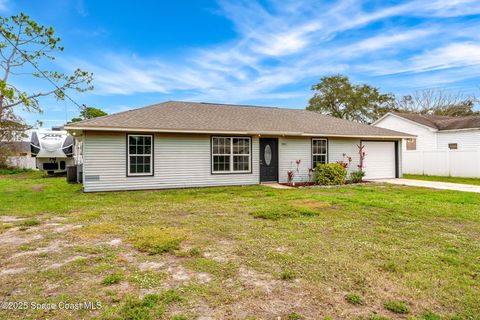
(155, 240)
(112, 279)
(397, 307)
(354, 299)
(357, 176)
(330, 174)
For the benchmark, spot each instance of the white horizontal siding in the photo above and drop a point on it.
(182, 160)
(337, 147)
(179, 161)
(466, 140)
(426, 138)
(290, 150)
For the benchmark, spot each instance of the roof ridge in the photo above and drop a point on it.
(122, 112)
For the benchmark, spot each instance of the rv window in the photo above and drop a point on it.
(452, 146)
(139, 160)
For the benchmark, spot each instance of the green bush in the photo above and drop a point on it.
(357, 176)
(330, 174)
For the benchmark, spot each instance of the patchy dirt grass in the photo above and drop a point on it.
(360, 252)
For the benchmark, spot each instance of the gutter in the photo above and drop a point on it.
(259, 133)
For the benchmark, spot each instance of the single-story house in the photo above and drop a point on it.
(184, 144)
(434, 132)
(443, 146)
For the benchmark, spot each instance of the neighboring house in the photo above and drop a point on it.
(434, 132)
(21, 156)
(443, 145)
(183, 144)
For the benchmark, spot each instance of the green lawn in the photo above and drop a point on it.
(356, 252)
(474, 181)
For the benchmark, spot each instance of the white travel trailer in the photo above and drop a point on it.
(53, 150)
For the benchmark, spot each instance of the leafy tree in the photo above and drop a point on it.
(89, 113)
(338, 97)
(23, 45)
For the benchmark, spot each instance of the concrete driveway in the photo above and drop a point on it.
(433, 184)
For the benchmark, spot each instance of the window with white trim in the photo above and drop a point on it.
(319, 152)
(231, 154)
(139, 158)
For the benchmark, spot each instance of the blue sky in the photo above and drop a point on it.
(253, 52)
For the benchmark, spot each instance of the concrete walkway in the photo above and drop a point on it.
(433, 184)
(275, 185)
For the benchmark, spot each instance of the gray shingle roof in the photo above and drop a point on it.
(443, 122)
(209, 117)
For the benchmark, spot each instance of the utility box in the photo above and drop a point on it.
(72, 174)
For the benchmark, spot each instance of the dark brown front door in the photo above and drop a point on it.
(268, 159)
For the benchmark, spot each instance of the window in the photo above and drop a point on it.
(319, 151)
(231, 154)
(412, 144)
(140, 155)
(452, 146)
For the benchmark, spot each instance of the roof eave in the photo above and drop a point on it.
(405, 119)
(272, 133)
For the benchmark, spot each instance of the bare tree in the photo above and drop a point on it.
(438, 102)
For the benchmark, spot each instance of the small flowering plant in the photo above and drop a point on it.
(345, 162)
(298, 162)
(290, 175)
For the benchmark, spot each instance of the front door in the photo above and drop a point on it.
(268, 159)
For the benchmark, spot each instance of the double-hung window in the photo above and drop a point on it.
(319, 152)
(231, 155)
(139, 157)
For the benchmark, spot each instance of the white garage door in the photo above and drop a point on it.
(379, 160)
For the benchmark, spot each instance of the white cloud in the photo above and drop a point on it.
(4, 5)
(295, 41)
(450, 56)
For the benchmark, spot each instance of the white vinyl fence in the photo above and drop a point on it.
(24, 162)
(455, 163)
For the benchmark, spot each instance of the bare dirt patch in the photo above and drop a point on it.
(311, 204)
(12, 271)
(13, 237)
(10, 219)
(65, 262)
(56, 246)
(37, 187)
